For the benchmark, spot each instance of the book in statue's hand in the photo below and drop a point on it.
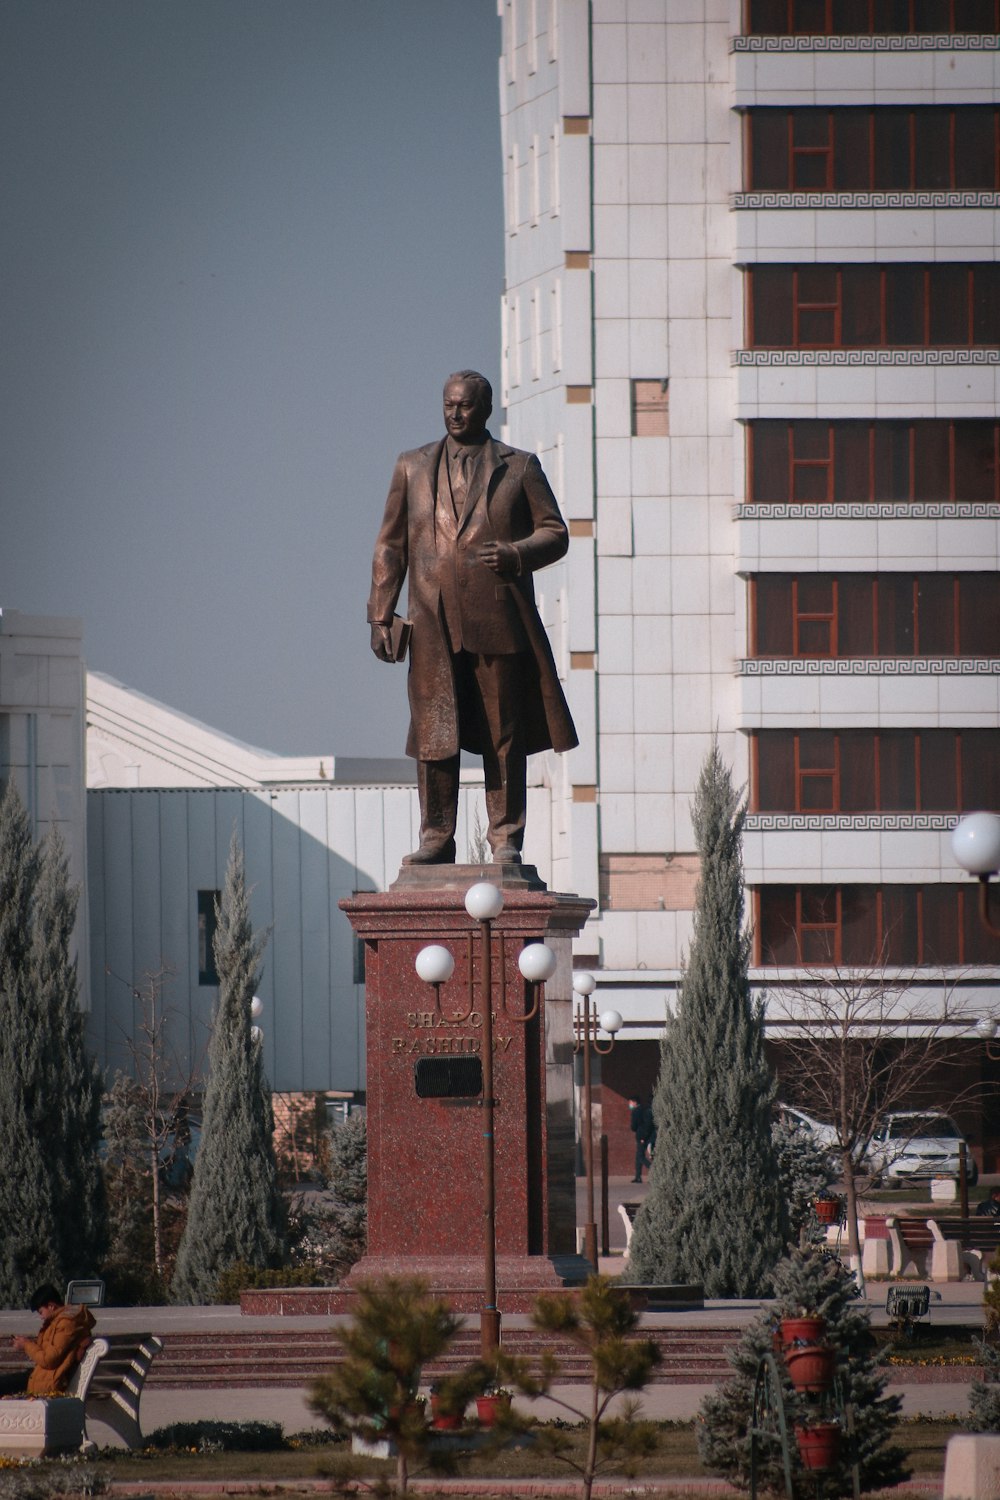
(399, 636)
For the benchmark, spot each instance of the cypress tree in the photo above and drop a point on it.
(714, 1212)
(73, 1086)
(52, 1223)
(236, 1215)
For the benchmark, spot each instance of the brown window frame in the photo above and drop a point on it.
(790, 743)
(958, 919)
(885, 604)
(943, 118)
(870, 18)
(961, 434)
(931, 303)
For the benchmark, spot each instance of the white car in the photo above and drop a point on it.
(824, 1135)
(915, 1143)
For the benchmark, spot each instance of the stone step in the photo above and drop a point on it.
(291, 1358)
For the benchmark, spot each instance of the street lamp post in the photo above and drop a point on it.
(435, 964)
(586, 1027)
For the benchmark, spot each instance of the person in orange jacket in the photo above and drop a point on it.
(55, 1352)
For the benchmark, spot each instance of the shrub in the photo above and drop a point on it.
(241, 1278)
(220, 1437)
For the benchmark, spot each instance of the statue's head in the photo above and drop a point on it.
(468, 401)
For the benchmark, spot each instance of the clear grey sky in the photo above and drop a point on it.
(241, 244)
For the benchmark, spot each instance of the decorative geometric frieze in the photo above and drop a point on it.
(868, 666)
(865, 200)
(848, 822)
(904, 357)
(870, 510)
(929, 42)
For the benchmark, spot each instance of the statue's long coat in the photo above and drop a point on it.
(512, 502)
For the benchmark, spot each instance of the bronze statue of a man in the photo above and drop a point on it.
(470, 520)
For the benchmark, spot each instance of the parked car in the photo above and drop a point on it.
(916, 1143)
(825, 1136)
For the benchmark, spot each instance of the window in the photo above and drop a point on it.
(934, 149)
(870, 306)
(811, 461)
(869, 770)
(869, 17)
(867, 924)
(874, 614)
(650, 408)
(207, 923)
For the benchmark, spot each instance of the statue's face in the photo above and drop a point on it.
(465, 410)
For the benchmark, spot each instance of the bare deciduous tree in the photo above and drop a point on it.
(862, 1043)
(161, 1092)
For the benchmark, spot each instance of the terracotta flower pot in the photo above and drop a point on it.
(819, 1445)
(444, 1421)
(488, 1408)
(807, 1330)
(810, 1367)
(827, 1210)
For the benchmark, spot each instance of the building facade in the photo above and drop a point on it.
(752, 326)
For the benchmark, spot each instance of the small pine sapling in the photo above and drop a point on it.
(371, 1393)
(601, 1322)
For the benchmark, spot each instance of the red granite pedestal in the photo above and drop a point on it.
(426, 1156)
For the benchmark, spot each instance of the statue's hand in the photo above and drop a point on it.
(501, 557)
(381, 642)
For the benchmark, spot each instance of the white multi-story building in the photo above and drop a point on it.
(751, 326)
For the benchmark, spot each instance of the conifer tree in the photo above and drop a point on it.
(807, 1281)
(52, 1222)
(714, 1212)
(236, 1215)
(349, 1180)
(71, 1086)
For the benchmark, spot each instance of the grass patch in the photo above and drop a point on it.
(312, 1455)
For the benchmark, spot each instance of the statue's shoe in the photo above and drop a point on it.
(432, 854)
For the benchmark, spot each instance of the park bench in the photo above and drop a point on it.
(912, 1243)
(628, 1211)
(110, 1377)
(963, 1247)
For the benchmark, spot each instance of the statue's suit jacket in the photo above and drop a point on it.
(510, 502)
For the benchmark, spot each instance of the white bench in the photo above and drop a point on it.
(110, 1377)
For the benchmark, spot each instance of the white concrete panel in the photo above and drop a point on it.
(652, 636)
(615, 649)
(617, 754)
(616, 703)
(611, 114)
(577, 345)
(614, 527)
(612, 235)
(614, 585)
(646, 113)
(647, 230)
(617, 821)
(574, 58)
(581, 583)
(650, 466)
(652, 523)
(574, 192)
(651, 594)
(577, 499)
(646, 52)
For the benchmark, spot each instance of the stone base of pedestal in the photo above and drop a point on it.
(415, 878)
(34, 1427)
(459, 1280)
